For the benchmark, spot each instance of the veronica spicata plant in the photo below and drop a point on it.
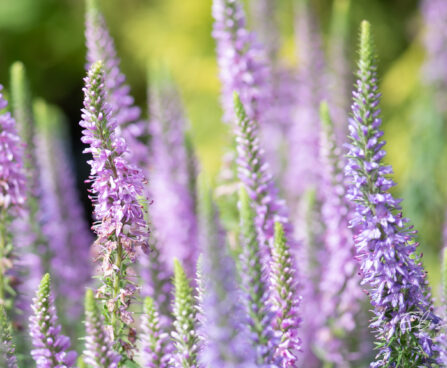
(7, 348)
(50, 346)
(391, 269)
(117, 188)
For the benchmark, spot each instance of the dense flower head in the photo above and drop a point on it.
(285, 300)
(50, 346)
(98, 352)
(173, 205)
(391, 270)
(155, 344)
(184, 335)
(12, 177)
(341, 294)
(63, 221)
(7, 348)
(100, 46)
(225, 336)
(242, 62)
(116, 185)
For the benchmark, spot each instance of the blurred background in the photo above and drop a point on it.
(48, 37)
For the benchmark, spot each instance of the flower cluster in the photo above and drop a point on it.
(391, 269)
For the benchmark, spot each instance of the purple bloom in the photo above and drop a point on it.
(100, 47)
(390, 268)
(173, 208)
(155, 344)
(435, 37)
(7, 348)
(50, 347)
(117, 189)
(341, 294)
(226, 341)
(242, 62)
(98, 352)
(63, 221)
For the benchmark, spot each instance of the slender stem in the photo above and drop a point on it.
(116, 289)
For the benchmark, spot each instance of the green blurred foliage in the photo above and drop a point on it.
(47, 35)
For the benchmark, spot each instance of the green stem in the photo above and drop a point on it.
(116, 290)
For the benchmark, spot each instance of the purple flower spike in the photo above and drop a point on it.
(242, 62)
(391, 270)
(98, 352)
(63, 223)
(173, 207)
(341, 295)
(50, 347)
(100, 46)
(155, 344)
(117, 188)
(225, 336)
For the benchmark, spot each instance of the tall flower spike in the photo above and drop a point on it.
(254, 173)
(63, 222)
(100, 46)
(390, 267)
(185, 334)
(26, 231)
(50, 347)
(256, 295)
(117, 188)
(155, 345)
(173, 206)
(286, 300)
(226, 339)
(12, 196)
(242, 62)
(98, 352)
(7, 348)
(302, 168)
(341, 294)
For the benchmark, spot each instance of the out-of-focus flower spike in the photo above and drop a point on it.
(242, 62)
(7, 348)
(339, 68)
(391, 270)
(434, 72)
(341, 295)
(98, 351)
(264, 19)
(171, 172)
(225, 336)
(26, 231)
(63, 223)
(50, 346)
(121, 228)
(256, 295)
(303, 160)
(185, 335)
(100, 46)
(156, 347)
(286, 300)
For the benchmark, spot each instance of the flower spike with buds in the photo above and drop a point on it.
(50, 346)
(98, 350)
(7, 349)
(117, 188)
(386, 247)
